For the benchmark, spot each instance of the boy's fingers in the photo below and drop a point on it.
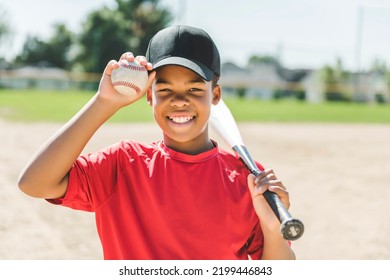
(283, 195)
(254, 188)
(264, 179)
(111, 65)
(129, 56)
(141, 59)
(144, 62)
(149, 66)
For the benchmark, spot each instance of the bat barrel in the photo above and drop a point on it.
(291, 228)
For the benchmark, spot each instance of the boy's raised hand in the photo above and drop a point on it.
(107, 91)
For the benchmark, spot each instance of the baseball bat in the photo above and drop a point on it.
(223, 123)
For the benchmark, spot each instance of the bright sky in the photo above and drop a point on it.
(302, 33)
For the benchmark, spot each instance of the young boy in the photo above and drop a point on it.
(179, 198)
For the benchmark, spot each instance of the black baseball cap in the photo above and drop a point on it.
(186, 46)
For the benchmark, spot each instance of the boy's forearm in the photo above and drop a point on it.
(276, 247)
(46, 174)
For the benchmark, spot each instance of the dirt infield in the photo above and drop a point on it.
(338, 177)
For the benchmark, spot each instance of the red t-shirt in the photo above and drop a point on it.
(152, 202)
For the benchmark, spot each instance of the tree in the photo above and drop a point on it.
(60, 46)
(266, 59)
(334, 78)
(33, 51)
(108, 33)
(54, 52)
(378, 66)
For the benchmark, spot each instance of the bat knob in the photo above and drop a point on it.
(292, 229)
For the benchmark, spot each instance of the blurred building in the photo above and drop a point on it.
(269, 81)
(43, 77)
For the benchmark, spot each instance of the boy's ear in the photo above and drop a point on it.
(216, 94)
(151, 77)
(149, 96)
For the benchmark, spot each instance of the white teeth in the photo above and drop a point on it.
(180, 119)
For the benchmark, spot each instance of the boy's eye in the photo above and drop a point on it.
(164, 91)
(195, 90)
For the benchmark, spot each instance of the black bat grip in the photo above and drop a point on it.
(291, 228)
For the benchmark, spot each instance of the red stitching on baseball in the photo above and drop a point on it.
(127, 84)
(133, 67)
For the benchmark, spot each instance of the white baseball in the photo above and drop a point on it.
(130, 78)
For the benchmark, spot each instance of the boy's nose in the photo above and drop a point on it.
(179, 101)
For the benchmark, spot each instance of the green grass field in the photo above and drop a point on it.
(60, 106)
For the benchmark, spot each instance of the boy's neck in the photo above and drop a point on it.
(190, 148)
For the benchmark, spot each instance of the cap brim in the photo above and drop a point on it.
(195, 66)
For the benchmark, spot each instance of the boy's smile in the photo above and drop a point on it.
(181, 102)
(180, 119)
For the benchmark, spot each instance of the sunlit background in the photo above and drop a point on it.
(308, 81)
